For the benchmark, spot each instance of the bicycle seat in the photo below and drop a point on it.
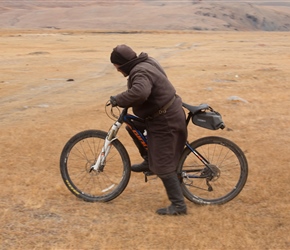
(195, 109)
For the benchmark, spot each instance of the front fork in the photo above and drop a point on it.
(111, 136)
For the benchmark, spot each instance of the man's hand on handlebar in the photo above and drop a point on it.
(113, 101)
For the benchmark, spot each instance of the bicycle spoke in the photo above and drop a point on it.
(222, 180)
(81, 154)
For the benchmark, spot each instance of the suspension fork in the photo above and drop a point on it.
(111, 136)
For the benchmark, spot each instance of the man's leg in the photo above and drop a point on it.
(175, 195)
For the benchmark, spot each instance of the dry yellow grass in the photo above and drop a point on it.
(41, 110)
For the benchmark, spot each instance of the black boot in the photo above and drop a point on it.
(175, 195)
(142, 167)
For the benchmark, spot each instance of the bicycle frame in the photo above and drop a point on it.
(127, 119)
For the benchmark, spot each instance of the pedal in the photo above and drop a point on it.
(147, 173)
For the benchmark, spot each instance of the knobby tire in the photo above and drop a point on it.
(228, 159)
(77, 157)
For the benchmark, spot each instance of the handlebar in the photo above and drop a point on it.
(120, 117)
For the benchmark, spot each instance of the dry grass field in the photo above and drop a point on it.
(55, 84)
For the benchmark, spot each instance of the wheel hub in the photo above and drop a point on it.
(211, 173)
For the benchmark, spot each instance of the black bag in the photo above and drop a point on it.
(209, 119)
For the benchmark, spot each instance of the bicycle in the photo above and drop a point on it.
(95, 165)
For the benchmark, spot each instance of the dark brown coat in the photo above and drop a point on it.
(148, 91)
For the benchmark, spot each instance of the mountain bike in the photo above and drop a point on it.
(95, 166)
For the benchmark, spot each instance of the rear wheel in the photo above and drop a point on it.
(77, 157)
(219, 183)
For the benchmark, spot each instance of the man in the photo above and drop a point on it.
(153, 98)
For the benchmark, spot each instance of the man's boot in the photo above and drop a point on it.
(142, 167)
(175, 195)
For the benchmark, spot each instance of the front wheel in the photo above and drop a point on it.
(219, 183)
(78, 156)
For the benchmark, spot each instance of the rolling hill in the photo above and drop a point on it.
(146, 15)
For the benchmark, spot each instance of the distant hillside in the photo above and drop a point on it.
(145, 15)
